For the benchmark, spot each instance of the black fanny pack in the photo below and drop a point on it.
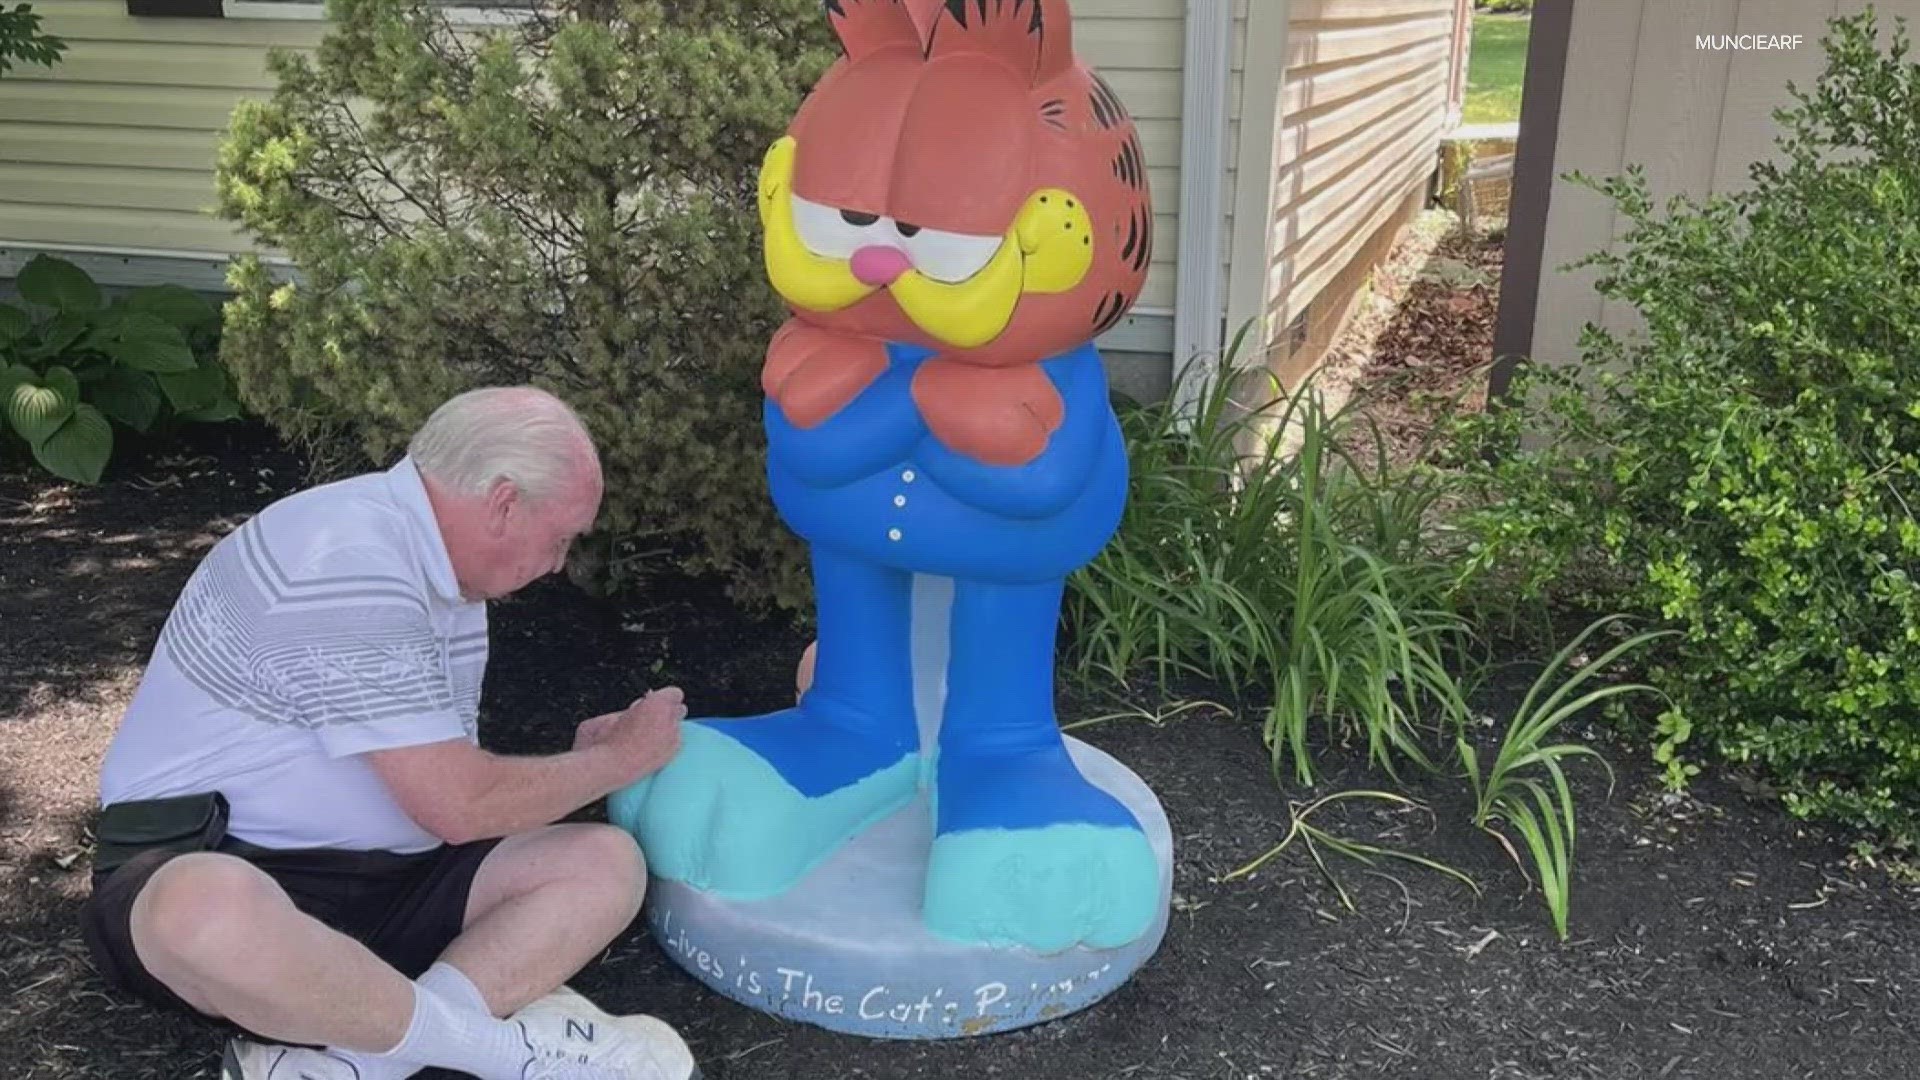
(182, 823)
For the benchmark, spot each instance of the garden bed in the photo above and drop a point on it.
(1711, 937)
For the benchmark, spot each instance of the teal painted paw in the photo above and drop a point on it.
(722, 819)
(1047, 889)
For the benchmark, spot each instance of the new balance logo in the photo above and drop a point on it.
(580, 1030)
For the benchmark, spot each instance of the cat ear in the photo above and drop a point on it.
(1056, 41)
(925, 14)
(1036, 36)
(868, 26)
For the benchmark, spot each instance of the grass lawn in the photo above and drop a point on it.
(1495, 68)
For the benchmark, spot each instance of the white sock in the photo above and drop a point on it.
(451, 1029)
(452, 983)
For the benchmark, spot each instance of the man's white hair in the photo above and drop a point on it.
(515, 433)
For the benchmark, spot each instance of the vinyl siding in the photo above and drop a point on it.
(114, 147)
(1362, 107)
(1139, 47)
(1637, 91)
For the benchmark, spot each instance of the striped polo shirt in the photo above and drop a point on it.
(327, 626)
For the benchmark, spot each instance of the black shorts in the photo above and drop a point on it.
(406, 909)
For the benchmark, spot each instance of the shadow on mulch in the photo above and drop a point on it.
(1712, 937)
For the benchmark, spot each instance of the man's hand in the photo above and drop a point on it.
(592, 731)
(645, 736)
(461, 793)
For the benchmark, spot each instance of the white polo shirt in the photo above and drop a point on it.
(328, 625)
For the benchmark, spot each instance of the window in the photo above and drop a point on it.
(203, 9)
(296, 9)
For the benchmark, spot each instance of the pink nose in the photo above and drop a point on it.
(877, 265)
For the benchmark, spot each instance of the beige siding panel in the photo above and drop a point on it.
(1160, 141)
(1086, 12)
(1163, 182)
(1137, 47)
(1756, 82)
(1312, 129)
(1237, 89)
(1673, 112)
(84, 104)
(1237, 50)
(1129, 43)
(1310, 11)
(114, 147)
(1260, 36)
(1361, 106)
(1327, 225)
(1639, 92)
(1314, 175)
(100, 144)
(1313, 44)
(1602, 65)
(1317, 86)
(147, 63)
(91, 227)
(1355, 224)
(182, 190)
(1151, 93)
(1581, 224)
(1152, 96)
(1159, 291)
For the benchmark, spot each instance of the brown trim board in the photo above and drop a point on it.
(1532, 195)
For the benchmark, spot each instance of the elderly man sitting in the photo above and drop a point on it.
(301, 835)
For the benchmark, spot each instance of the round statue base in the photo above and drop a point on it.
(845, 949)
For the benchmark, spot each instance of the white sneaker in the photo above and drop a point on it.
(245, 1059)
(571, 1036)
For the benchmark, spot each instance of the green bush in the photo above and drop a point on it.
(568, 203)
(73, 363)
(1505, 6)
(1270, 547)
(1744, 472)
(21, 39)
(1266, 545)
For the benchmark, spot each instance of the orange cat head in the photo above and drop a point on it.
(959, 180)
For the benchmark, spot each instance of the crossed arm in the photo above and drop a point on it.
(879, 423)
(1050, 482)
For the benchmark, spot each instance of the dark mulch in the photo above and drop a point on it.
(1713, 937)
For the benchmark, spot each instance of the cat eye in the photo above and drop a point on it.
(946, 257)
(832, 233)
(949, 257)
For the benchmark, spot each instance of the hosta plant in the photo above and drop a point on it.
(74, 363)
